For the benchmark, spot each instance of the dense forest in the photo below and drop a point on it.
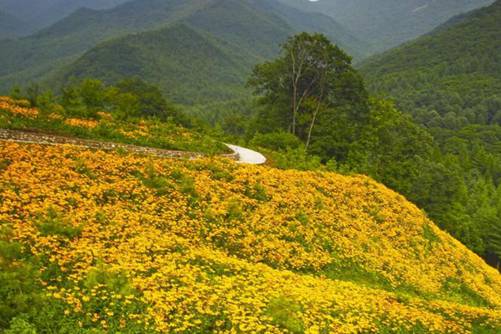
(449, 78)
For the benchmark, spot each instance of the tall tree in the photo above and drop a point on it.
(309, 77)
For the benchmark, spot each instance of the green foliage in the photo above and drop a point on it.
(4, 164)
(234, 211)
(152, 179)
(257, 192)
(186, 185)
(20, 326)
(129, 98)
(54, 224)
(276, 141)
(81, 168)
(463, 294)
(284, 312)
(308, 85)
(113, 281)
(354, 272)
(294, 159)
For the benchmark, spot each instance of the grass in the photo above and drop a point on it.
(54, 224)
(283, 312)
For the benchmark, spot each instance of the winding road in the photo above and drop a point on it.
(246, 156)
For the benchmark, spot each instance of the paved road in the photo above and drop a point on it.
(247, 156)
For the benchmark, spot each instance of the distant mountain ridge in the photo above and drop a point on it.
(254, 28)
(388, 23)
(11, 26)
(42, 13)
(452, 75)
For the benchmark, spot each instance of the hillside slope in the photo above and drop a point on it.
(388, 23)
(255, 26)
(142, 244)
(451, 76)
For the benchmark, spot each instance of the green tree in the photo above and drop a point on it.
(310, 77)
(150, 101)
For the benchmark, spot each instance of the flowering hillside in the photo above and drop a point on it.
(134, 244)
(17, 114)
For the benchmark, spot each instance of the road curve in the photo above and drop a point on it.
(246, 156)
(242, 155)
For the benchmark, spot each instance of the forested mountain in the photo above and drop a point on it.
(388, 23)
(40, 14)
(255, 27)
(199, 67)
(449, 78)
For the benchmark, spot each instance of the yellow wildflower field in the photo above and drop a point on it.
(19, 115)
(207, 245)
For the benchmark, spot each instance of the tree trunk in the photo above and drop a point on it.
(313, 120)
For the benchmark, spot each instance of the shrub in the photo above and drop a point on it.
(277, 141)
(53, 224)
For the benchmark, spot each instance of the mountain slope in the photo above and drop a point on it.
(187, 64)
(388, 23)
(144, 244)
(256, 27)
(451, 75)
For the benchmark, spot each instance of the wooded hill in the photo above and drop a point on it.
(449, 78)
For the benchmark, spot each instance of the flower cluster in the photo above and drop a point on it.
(211, 246)
(82, 123)
(19, 107)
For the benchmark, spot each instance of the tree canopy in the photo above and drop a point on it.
(311, 78)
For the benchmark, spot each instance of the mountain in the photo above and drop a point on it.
(189, 65)
(254, 27)
(11, 26)
(44, 13)
(450, 77)
(388, 23)
(206, 245)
